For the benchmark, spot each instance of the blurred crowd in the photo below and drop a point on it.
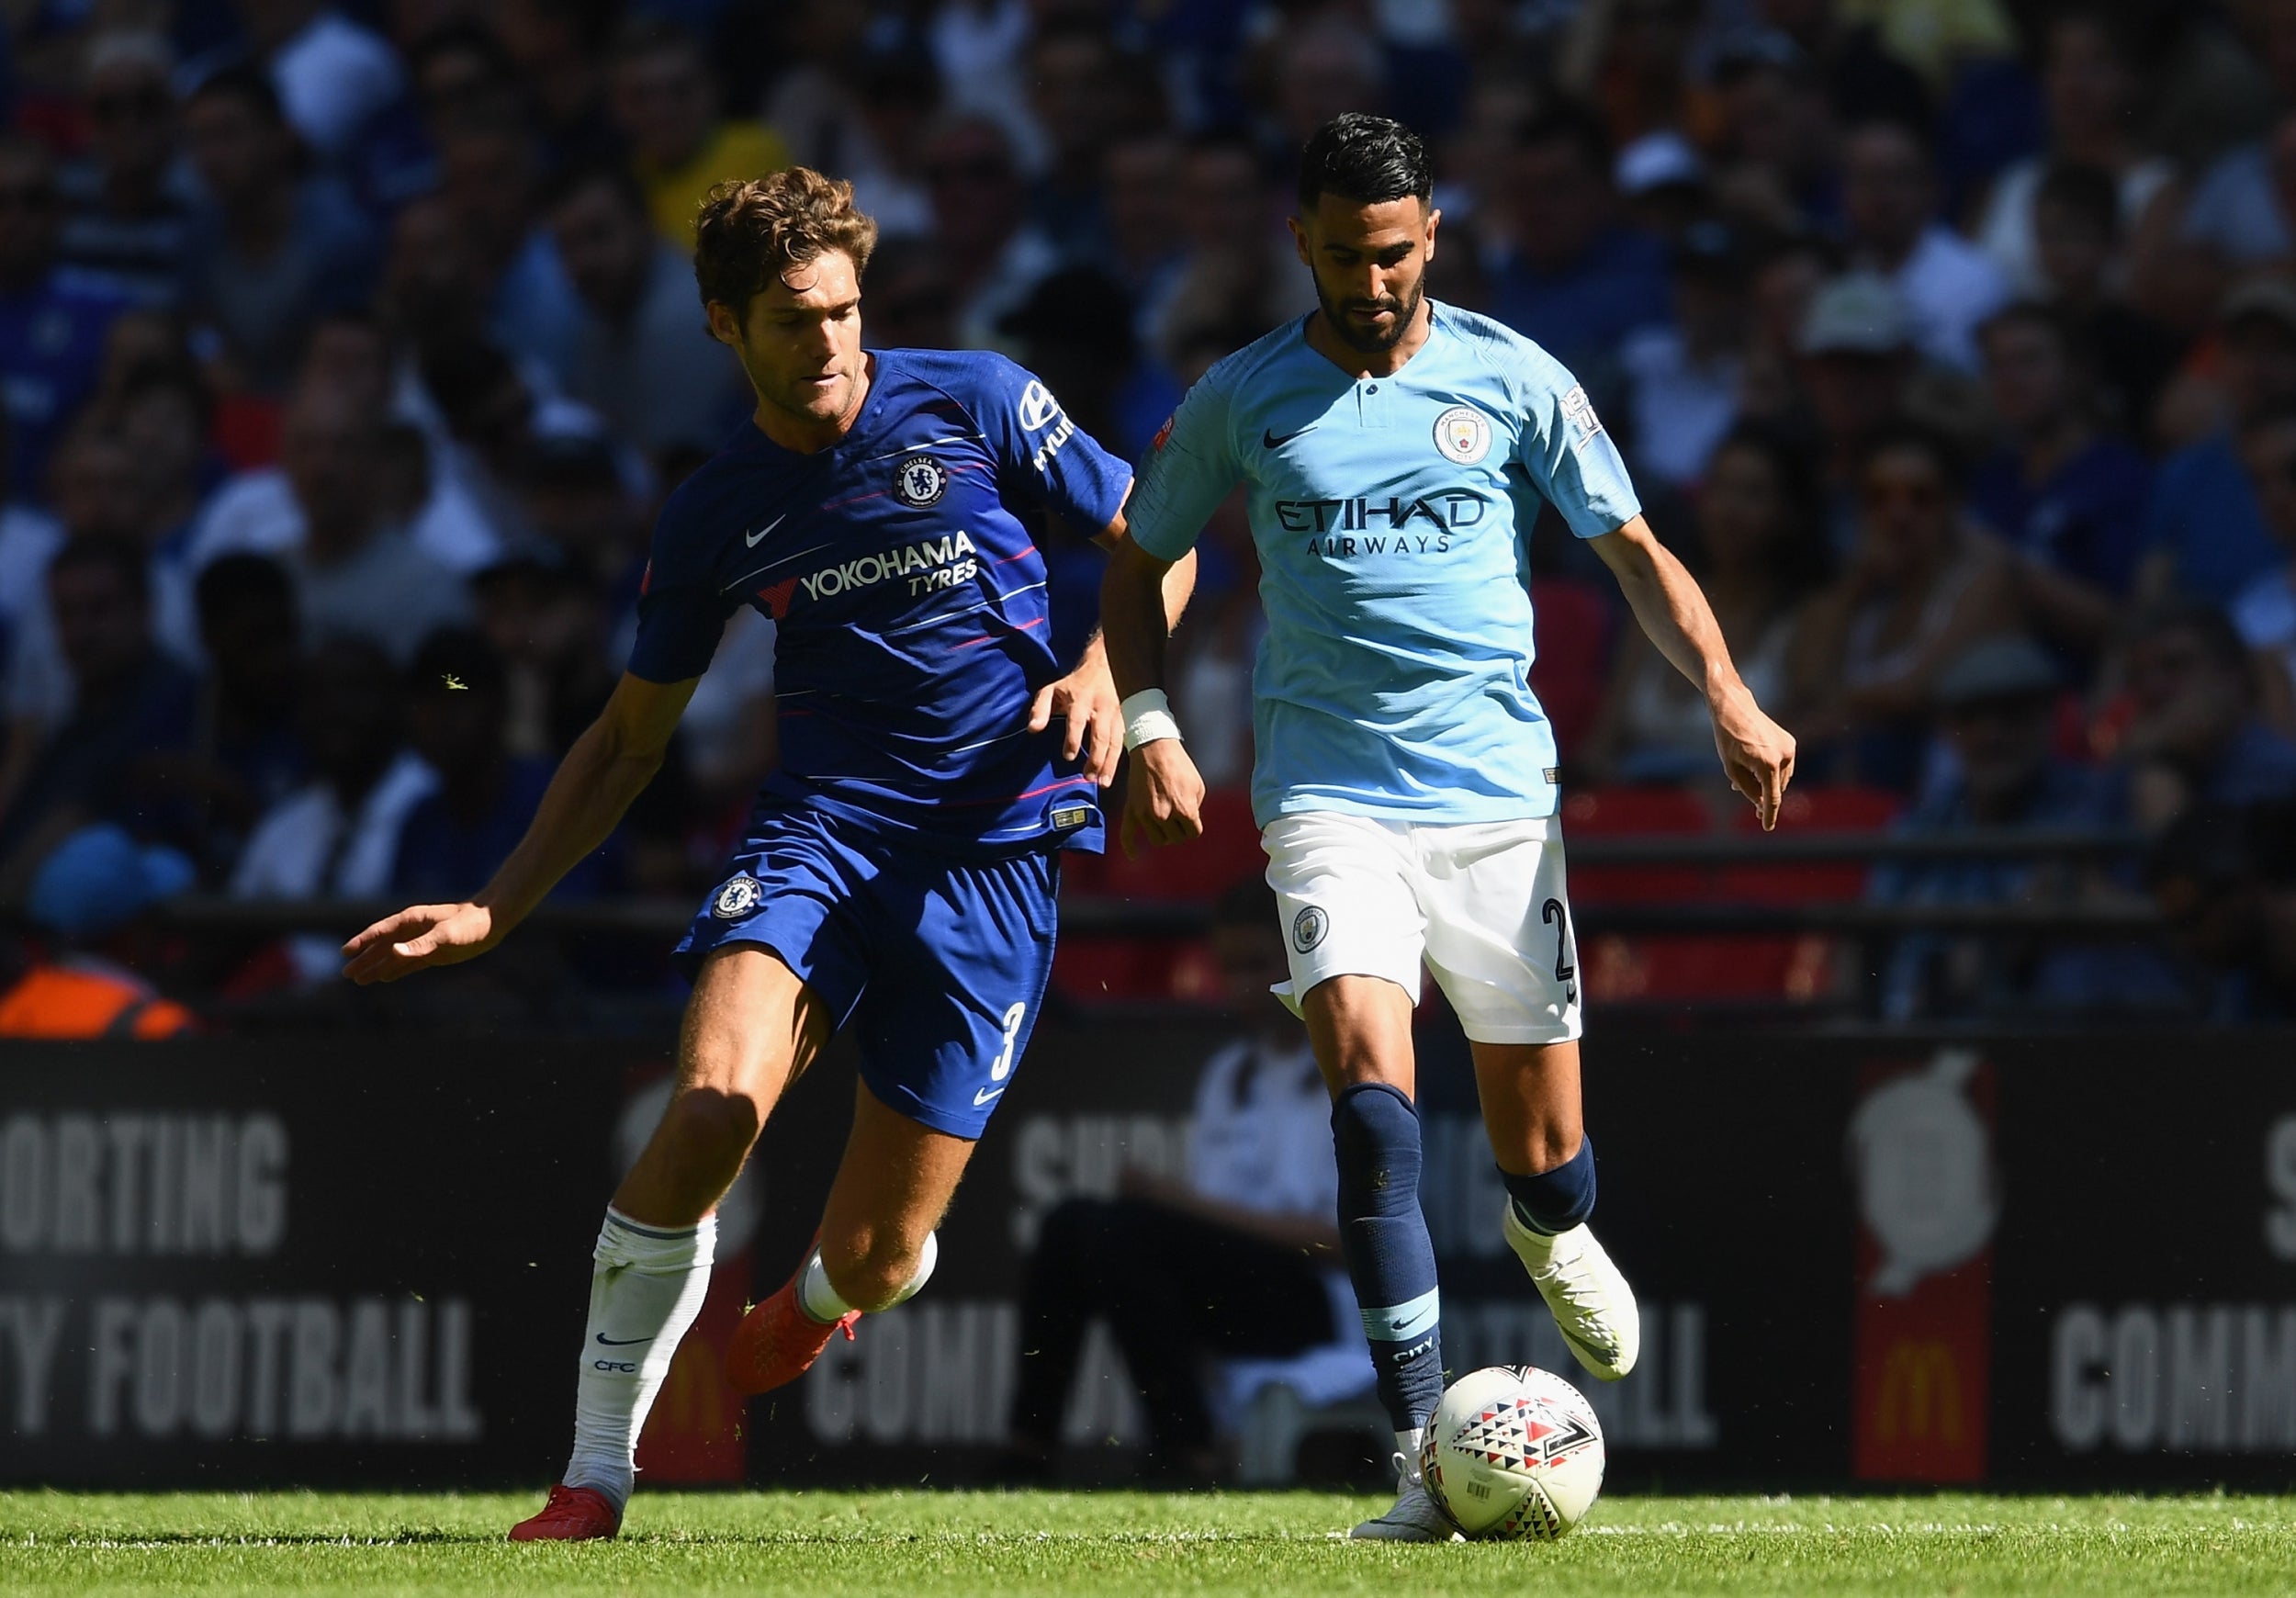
(346, 351)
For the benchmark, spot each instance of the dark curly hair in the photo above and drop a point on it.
(751, 231)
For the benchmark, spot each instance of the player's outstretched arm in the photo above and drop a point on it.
(1142, 599)
(1757, 753)
(606, 769)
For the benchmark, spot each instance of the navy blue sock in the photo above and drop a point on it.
(1374, 1132)
(1558, 1199)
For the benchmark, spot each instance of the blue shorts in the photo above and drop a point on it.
(941, 960)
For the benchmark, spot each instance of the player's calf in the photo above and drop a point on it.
(647, 1285)
(1391, 1260)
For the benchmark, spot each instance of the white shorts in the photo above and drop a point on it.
(1482, 906)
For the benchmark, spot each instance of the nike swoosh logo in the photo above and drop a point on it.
(769, 527)
(982, 1095)
(1269, 440)
(620, 1341)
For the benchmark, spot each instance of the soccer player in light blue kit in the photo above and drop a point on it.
(1393, 451)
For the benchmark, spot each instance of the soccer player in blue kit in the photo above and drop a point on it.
(901, 863)
(1393, 452)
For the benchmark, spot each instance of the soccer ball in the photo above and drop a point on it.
(1513, 1452)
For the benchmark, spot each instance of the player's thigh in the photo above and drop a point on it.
(1531, 1106)
(751, 1029)
(960, 956)
(1353, 936)
(1499, 938)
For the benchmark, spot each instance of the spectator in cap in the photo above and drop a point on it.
(2067, 497)
(1995, 771)
(641, 355)
(53, 326)
(1889, 200)
(2205, 534)
(1663, 183)
(1921, 586)
(2194, 735)
(1856, 365)
(71, 972)
(128, 203)
(1683, 377)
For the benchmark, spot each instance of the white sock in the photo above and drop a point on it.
(645, 1292)
(820, 1300)
(1407, 1444)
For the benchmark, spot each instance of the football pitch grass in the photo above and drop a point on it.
(921, 1544)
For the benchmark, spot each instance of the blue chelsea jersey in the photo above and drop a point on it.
(908, 596)
(1391, 515)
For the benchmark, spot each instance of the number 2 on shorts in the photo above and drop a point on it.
(1002, 1067)
(1555, 915)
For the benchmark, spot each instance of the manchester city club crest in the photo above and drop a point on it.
(921, 481)
(1308, 927)
(737, 898)
(1462, 436)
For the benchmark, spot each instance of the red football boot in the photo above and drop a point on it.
(574, 1515)
(777, 1341)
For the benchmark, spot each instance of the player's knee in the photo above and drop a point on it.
(710, 1128)
(873, 1271)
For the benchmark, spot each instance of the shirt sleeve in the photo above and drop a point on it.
(680, 615)
(1190, 469)
(1040, 450)
(1570, 456)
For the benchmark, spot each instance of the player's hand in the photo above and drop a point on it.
(1165, 801)
(1757, 753)
(1087, 696)
(400, 945)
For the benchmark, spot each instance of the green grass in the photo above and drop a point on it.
(916, 1544)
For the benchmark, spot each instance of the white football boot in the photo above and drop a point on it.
(1414, 1518)
(1589, 1299)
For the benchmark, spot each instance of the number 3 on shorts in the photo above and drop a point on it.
(1002, 1067)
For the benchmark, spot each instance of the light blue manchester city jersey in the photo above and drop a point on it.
(1392, 515)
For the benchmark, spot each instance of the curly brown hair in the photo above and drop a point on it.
(752, 230)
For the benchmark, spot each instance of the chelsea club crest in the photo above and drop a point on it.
(921, 481)
(740, 896)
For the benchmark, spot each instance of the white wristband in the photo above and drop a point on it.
(1147, 717)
